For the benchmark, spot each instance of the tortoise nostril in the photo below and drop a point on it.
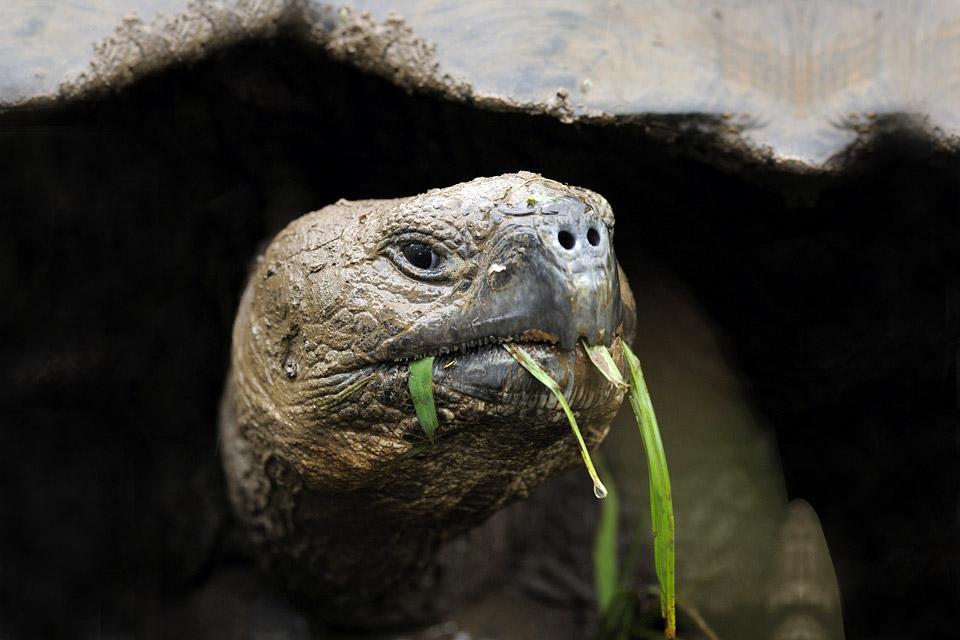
(566, 239)
(593, 236)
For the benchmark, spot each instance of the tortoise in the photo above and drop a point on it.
(559, 65)
(359, 518)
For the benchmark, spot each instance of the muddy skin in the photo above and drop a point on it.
(327, 467)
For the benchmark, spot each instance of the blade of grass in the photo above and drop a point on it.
(528, 363)
(603, 361)
(605, 574)
(420, 383)
(343, 395)
(661, 501)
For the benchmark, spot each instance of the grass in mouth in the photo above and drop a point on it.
(420, 383)
(603, 361)
(661, 499)
(528, 363)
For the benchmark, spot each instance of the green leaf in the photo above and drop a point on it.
(528, 363)
(420, 383)
(603, 361)
(661, 501)
(605, 573)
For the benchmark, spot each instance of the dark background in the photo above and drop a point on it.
(128, 221)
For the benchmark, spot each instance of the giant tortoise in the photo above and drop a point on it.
(181, 457)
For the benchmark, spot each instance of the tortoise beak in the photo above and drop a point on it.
(552, 276)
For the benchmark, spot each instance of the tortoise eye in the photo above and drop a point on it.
(421, 256)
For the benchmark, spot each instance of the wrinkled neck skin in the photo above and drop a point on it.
(361, 518)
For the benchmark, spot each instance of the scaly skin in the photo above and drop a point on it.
(327, 467)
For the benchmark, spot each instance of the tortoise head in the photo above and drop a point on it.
(342, 301)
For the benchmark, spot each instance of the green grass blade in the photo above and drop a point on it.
(603, 361)
(420, 383)
(661, 501)
(528, 363)
(343, 395)
(605, 562)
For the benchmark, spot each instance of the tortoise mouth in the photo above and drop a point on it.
(472, 347)
(488, 372)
